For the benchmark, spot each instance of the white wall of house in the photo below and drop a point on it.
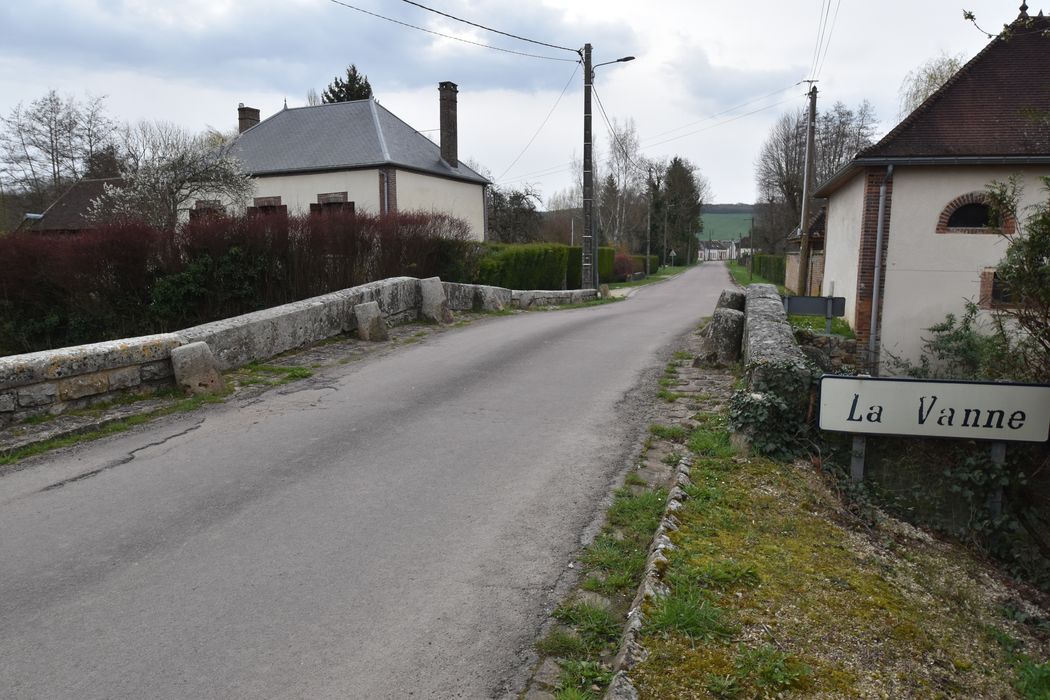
(929, 275)
(298, 192)
(842, 243)
(463, 200)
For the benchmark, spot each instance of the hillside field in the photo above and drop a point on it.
(725, 227)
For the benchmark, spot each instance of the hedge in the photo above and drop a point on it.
(606, 262)
(574, 272)
(524, 266)
(639, 263)
(127, 279)
(771, 267)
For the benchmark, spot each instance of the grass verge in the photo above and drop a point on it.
(775, 592)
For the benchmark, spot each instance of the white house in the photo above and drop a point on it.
(918, 195)
(358, 155)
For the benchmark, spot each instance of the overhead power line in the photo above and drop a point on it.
(822, 25)
(449, 36)
(488, 29)
(827, 43)
(613, 134)
(544, 123)
(724, 111)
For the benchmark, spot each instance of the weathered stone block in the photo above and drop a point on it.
(370, 323)
(81, 386)
(488, 298)
(8, 402)
(722, 337)
(433, 302)
(195, 368)
(155, 371)
(731, 298)
(36, 395)
(124, 378)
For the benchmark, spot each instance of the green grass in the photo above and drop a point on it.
(817, 324)
(187, 404)
(743, 278)
(725, 227)
(690, 613)
(674, 433)
(595, 626)
(562, 644)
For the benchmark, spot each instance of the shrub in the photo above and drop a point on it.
(770, 267)
(623, 266)
(127, 278)
(525, 266)
(575, 268)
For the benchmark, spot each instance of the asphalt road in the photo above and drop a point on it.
(389, 529)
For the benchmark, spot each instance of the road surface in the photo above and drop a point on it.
(393, 528)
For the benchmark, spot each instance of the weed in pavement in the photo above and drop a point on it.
(596, 626)
(562, 644)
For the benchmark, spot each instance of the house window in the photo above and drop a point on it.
(332, 202)
(971, 213)
(267, 206)
(995, 292)
(206, 207)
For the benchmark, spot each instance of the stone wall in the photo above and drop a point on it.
(54, 381)
(768, 337)
(832, 353)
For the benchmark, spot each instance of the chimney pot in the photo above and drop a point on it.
(247, 117)
(449, 129)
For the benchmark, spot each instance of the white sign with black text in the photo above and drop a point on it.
(973, 410)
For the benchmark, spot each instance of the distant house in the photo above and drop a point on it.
(718, 250)
(928, 178)
(358, 155)
(69, 213)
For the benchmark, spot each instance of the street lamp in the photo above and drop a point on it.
(589, 273)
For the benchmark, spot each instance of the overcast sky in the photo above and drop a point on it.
(192, 61)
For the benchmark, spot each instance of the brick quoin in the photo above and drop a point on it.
(866, 260)
(391, 178)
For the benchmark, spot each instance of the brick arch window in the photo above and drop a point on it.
(971, 213)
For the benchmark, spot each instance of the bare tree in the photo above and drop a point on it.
(925, 80)
(164, 168)
(46, 144)
(841, 133)
(312, 98)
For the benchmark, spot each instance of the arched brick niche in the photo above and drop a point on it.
(971, 213)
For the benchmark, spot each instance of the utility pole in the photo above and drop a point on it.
(649, 220)
(802, 287)
(589, 276)
(666, 206)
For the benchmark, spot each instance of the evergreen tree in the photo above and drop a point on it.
(354, 87)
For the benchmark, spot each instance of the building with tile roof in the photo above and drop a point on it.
(69, 213)
(915, 204)
(358, 154)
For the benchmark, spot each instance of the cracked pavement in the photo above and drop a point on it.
(394, 527)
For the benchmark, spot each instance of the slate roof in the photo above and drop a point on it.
(69, 212)
(993, 110)
(341, 136)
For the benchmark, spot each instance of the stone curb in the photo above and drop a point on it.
(631, 651)
(63, 432)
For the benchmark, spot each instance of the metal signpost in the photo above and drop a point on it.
(828, 307)
(672, 255)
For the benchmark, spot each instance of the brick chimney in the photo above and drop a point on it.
(449, 130)
(247, 117)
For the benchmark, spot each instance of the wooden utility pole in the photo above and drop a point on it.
(807, 185)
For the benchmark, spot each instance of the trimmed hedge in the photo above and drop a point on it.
(524, 266)
(639, 263)
(575, 271)
(606, 263)
(771, 267)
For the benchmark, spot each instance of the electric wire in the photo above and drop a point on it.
(613, 134)
(825, 8)
(827, 44)
(488, 29)
(449, 36)
(725, 111)
(545, 120)
(723, 122)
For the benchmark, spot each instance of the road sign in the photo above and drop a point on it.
(969, 410)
